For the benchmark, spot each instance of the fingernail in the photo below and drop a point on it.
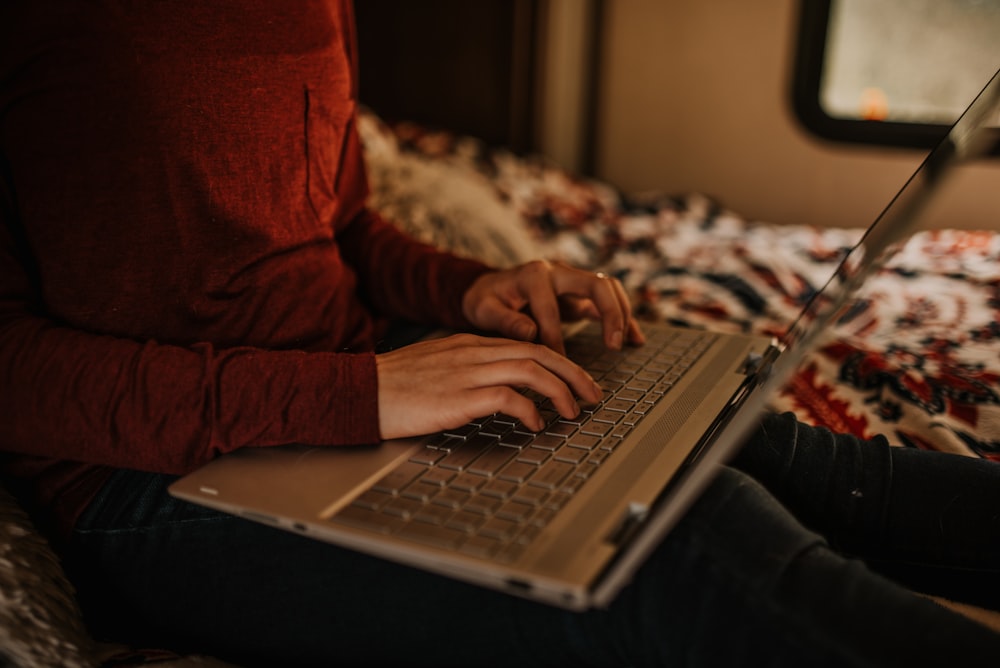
(525, 331)
(616, 340)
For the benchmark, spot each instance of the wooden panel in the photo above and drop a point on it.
(461, 65)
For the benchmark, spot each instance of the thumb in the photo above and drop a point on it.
(496, 316)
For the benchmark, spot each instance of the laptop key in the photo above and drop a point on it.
(632, 419)
(399, 477)
(373, 499)
(639, 385)
(499, 528)
(464, 431)
(515, 511)
(534, 496)
(543, 516)
(500, 489)
(629, 394)
(618, 406)
(610, 386)
(622, 430)
(548, 442)
(468, 482)
(465, 521)
(607, 415)
(516, 439)
(596, 428)
(491, 461)
(447, 444)
(402, 507)
(479, 546)
(433, 514)
(551, 474)
(419, 491)
(528, 534)
(458, 459)
(427, 456)
(558, 499)
(482, 504)
(572, 485)
(572, 455)
(517, 472)
(495, 428)
(365, 518)
(585, 441)
(452, 498)
(598, 456)
(431, 534)
(560, 428)
(437, 477)
(533, 456)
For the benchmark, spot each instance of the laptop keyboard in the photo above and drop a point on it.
(489, 487)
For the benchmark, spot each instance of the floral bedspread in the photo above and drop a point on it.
(917, 360)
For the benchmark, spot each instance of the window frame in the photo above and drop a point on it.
(813, 24)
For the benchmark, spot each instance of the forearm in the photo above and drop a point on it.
(112, 401)
(403, 278)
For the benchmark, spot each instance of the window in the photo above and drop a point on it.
(892, 72)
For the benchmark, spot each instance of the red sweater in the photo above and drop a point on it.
(187, 265)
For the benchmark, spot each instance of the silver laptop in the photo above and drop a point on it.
(565, 516)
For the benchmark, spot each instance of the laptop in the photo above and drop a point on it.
(565, 516)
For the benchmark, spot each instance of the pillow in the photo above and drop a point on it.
(442, 202)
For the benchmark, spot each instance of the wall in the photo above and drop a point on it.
(694, 96)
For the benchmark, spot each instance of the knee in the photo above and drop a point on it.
(745, 528)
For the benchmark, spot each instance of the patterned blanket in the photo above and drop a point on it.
(918, 358)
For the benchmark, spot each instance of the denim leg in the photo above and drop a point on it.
(927, 519)
(155, 571)
(738, 582)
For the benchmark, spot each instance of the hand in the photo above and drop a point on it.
(445, 383)
(530, 301)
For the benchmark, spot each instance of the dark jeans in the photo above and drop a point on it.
(756, 574)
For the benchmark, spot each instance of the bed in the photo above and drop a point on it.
(918, 360)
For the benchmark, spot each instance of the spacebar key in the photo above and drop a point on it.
(431, 534)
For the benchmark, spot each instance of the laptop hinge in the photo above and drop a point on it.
(760, 363)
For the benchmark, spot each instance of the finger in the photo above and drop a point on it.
(471, 351)
(506, 400)
(633, 333)
(539, 359)
(530, 374)
(575, 308)
(537, 285)
(495, 315)
(602, 292)
(616, 339)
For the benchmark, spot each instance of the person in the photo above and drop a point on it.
(189, 268)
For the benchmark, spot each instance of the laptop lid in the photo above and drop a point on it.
(974, 134)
